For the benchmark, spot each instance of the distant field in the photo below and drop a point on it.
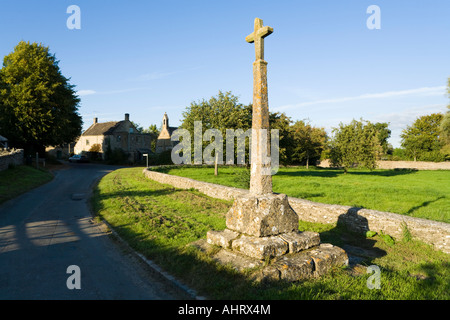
(423, 194)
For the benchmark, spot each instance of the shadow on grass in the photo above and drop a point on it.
(332, 172)
(424, 204)
(134, 193)
(349, 234)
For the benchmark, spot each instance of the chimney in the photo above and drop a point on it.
(95, 120)
(127, 116)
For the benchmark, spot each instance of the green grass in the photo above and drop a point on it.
(161, 221)
(17, 180)
(422, 194)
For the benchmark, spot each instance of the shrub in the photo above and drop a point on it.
(242, 177)
(117, 156)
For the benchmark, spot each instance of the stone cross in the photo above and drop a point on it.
(257, 36)
(261, 224)
(261, 179)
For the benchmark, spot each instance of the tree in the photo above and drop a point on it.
(309, 142)
(154, 132)
(422, 140)
(445, 127)
(355, 144)
(38, 105)
(137, 126)
(384, 133)
(224, 111)
(282, 122)
(220, 112)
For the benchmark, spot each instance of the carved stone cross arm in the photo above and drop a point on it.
(257, 36)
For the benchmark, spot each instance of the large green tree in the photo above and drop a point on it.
(281, 122)
(223, 112)
(384, 133)
(309, 142)
(220, 112)
(445, 128)
(153, 130)
(355, 144)
(422, 139)
(38, 105)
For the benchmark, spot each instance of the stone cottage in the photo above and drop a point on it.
(116, 135)
(164, 142)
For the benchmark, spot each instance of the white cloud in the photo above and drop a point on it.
(427, 91)
(120, 91)
(91, 92)
(401, 119)
(159, 75)
(153, 76)
(86, 92)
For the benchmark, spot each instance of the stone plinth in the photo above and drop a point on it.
(264, 247)
(221, 238)
(260, 248)
(311, 263)
(298, 241)
(262, 228)
(262, 216)
(305, 264)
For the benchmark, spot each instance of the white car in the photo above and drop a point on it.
(78, 158)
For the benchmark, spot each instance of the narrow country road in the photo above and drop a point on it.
(48, 229)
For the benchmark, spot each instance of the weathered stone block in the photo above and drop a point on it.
(298, 241)
(260, 248)
(295, 267)
(221, 238)
(262, 216)
(326, 256)
(267, 273)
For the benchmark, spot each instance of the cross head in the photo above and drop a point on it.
(257, 36)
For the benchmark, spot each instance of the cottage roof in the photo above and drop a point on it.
(99, 129)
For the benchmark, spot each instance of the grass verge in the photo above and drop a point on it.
(161, 221)
(17, 180)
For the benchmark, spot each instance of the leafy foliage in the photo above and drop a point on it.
(38, 105)
(309, 142)
(387, 238)
(154, 132)
(355, 144)
(422, 140)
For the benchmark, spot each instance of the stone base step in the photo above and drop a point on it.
(310, 263)
(264, 247)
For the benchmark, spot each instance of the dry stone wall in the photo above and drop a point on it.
(15, 158)
(356, 219)
(414, 165)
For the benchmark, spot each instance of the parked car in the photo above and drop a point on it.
(78, 158)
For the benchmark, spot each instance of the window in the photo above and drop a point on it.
(87, 142)
(118, 138)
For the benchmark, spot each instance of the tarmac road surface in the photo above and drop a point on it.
(45, 231)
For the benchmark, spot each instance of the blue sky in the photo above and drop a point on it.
(149, 57)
